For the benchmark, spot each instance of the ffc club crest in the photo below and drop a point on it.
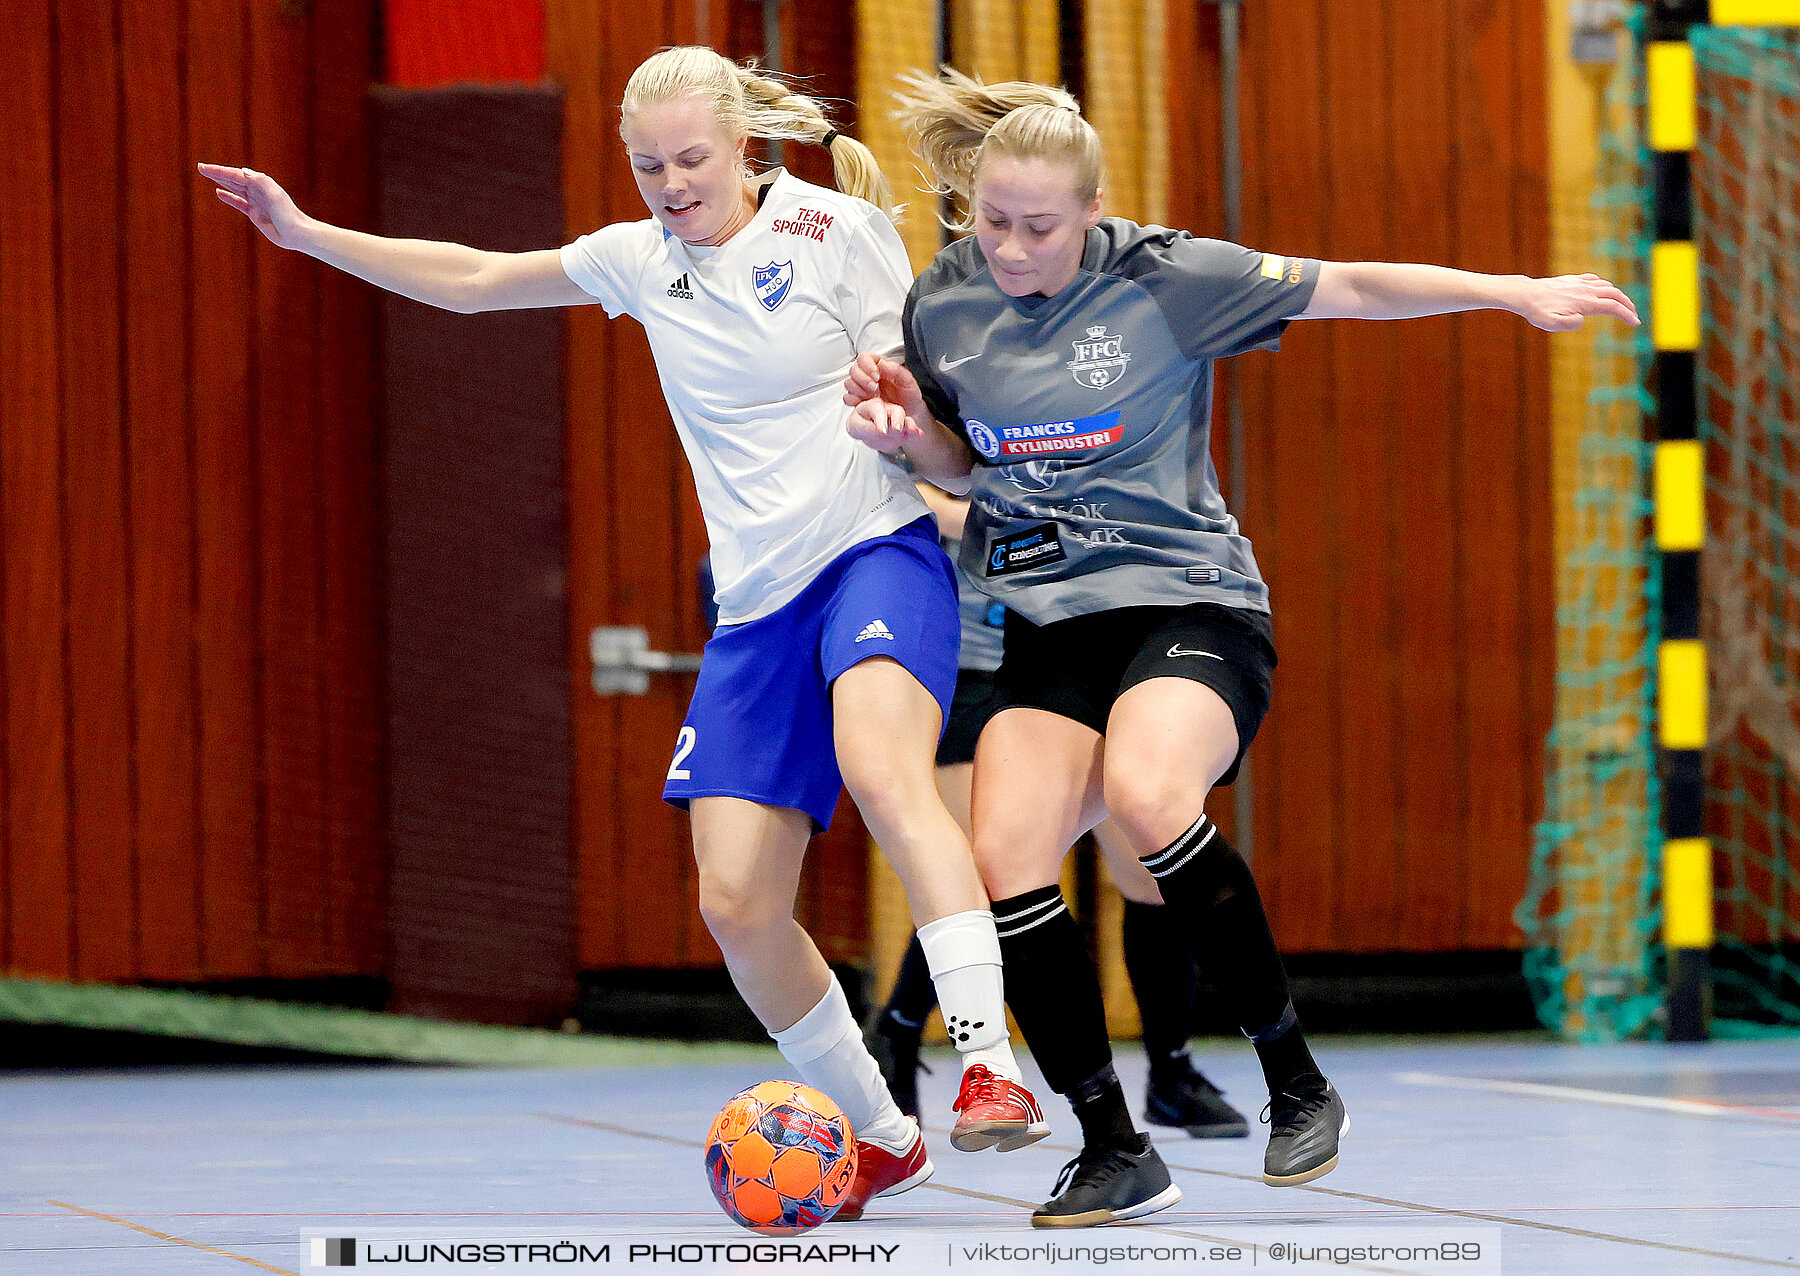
(773, 282)
(1099, 359)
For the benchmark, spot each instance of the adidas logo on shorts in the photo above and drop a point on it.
(680, 289)
(875, 629)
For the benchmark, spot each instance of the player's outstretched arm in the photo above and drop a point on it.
(449, 276)
(1392, 290)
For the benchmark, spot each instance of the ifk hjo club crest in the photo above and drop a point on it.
(772, 283)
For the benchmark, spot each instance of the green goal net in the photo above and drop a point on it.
(1591, 912)
(1747, 230)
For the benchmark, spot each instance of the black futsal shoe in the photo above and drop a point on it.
(1109, 1184)
(1305, 1124)
(1183, 1097)
(896, 1050)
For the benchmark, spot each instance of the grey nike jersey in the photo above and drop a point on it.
(1090, 413)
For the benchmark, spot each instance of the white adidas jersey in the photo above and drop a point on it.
(752, 341)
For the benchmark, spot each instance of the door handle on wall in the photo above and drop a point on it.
(623, 661)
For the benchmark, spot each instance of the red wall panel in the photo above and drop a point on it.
(187, 432)
(35, 831)
(161, 495)
(90, 252)
(433, 43)
(225, 252)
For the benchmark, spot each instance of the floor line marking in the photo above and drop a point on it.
(1281, 1214)
(1256, 1178)
(695, 1143)
(176, 1240)
(1450, 1212)
(1611, 1098)
(1162, 1228)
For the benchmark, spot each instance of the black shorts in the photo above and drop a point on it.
(1078, 667)
(970, 709)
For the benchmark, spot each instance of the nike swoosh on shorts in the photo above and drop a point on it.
(1177, 651)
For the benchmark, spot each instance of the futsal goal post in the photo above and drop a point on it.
(1665, 896)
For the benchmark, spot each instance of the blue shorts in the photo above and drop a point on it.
(759, 726)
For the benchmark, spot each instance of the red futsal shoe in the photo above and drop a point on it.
(995, 1113)
(880, 1172)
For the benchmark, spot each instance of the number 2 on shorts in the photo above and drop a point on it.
(684, 745)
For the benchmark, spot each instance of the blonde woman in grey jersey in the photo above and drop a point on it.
(1059, 367)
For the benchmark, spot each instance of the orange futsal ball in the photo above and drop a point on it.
(780, 1158)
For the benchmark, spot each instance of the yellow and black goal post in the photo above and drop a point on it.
(1680, 491)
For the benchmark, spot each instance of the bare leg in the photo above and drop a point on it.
(1037, 789)
(749, 858)
(886, 727)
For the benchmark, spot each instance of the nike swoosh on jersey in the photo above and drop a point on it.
(945, 362)
(1176, 650)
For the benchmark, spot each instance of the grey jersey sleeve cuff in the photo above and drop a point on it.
(1220, 298)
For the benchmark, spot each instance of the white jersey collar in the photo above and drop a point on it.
(768, 182)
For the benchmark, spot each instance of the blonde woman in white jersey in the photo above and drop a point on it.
(757, 293)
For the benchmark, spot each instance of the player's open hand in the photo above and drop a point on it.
(260, 198)
(1562, 304)
(884, 426)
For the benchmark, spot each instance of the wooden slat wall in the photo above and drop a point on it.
(39, 933)
(349, 497)
(1398, 477)
(190, 775)
(635, 532)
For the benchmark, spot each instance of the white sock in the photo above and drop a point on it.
(963, 953)
(827, 1049)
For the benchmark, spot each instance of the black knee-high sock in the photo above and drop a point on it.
(914, 994)
(1054, 993)
(1210, 886)
(1163, 979)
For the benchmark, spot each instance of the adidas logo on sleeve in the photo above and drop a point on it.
(680, 289)
(875, 629)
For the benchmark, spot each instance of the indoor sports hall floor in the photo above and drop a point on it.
(1641, 1159)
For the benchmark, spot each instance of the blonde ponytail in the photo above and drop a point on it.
(956, 121)
(775, 110)
(750, 102)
